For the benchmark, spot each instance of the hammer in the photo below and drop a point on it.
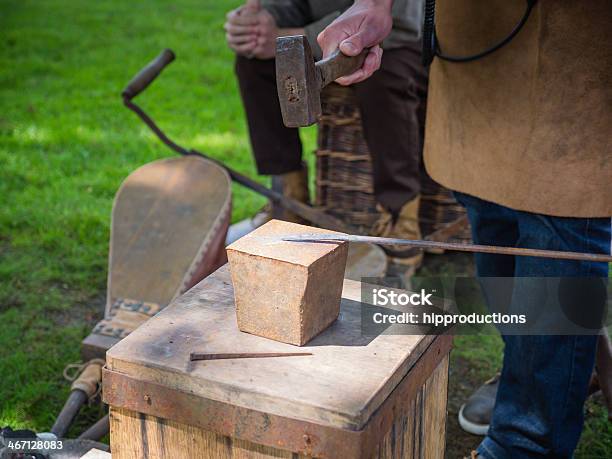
(299, 80)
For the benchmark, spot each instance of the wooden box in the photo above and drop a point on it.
(354, 397)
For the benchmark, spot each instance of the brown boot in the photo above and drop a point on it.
(293, 185)
(405, 226)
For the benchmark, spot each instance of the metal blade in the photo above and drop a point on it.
(455, 246)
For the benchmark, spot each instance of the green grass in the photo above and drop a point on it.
(66, 143)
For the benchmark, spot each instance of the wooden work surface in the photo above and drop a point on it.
(340, 385)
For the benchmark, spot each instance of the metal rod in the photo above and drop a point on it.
(76, 400)
(196, 356)
(303, 210)
(97, 431)
(497, 250)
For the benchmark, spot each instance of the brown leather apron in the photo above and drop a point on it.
(530, 126)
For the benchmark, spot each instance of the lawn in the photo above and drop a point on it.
(66, 143)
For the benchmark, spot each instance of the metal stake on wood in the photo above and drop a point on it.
(245, 355)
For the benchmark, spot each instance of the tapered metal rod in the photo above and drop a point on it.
(196, 356)
(421, 244)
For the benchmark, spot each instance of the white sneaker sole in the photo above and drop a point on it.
(472, 427)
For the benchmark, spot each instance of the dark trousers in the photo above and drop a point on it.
(392, 104)
(544, 381)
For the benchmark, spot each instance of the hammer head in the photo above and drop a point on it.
(297, 83)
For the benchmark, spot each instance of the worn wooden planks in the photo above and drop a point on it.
(356, 397)
(136, 435)
(366, 369)
(140, 436)
(420, 430)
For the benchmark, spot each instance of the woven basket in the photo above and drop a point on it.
(344, 170)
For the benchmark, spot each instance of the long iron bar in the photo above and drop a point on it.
(461, 247)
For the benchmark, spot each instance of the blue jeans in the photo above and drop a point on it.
(544, 380)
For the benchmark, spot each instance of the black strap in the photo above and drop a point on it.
(431, 45)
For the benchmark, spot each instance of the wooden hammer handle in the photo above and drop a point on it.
(337, 64)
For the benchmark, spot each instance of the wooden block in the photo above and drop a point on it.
(286, 291)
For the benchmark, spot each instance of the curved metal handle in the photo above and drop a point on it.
(148, 74)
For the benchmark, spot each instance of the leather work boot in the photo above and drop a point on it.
(475, 414)
(293, 185)
(405, 226)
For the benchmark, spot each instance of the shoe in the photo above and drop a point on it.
(475, 414)
(405, 225)
(294, 185)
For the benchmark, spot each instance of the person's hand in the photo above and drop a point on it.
(241, 28)
(266, 33)
(363, 25)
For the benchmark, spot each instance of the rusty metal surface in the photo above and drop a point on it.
(299, 80)
(296, 81)
(122, 391)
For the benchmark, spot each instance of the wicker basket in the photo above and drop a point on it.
(344, 170)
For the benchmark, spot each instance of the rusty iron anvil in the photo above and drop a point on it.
(299, 80)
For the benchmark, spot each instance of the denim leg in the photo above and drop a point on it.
(544, 381)
(491, 225)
